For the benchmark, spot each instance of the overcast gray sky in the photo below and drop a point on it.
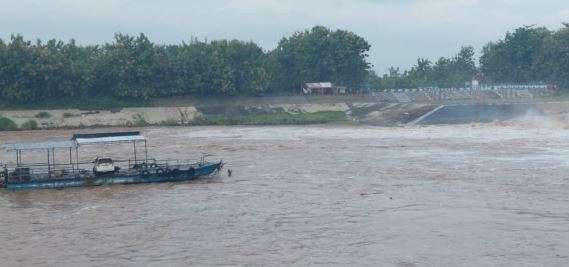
(398, 30)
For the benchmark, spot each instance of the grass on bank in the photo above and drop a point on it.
(43, 115)
(101, 103)
(272, 119)
(29, 125)
(7, 124)
(277, 118)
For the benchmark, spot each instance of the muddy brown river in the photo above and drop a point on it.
(473, 195)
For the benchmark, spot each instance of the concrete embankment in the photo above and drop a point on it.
(460, 114)
(285, 110)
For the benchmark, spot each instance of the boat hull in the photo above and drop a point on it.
(112, 179)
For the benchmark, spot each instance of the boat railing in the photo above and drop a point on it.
(131, 163)
(41, 171)
(170, 162)
(23, 174)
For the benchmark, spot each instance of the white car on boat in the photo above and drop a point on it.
(103, 165)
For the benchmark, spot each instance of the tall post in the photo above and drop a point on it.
(77, 157)
(53, 158)
(71, 160)
(48, 164)
(134, 151)
(145, 152)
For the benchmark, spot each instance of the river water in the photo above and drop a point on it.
(474, 195)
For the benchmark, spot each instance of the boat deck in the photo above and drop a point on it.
(139, 174)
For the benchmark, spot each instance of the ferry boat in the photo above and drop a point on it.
(100, 171)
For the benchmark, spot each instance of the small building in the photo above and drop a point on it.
(475, 85)
(323, 88)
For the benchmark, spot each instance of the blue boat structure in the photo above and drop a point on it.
(101, 171)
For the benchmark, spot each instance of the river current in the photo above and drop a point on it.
(474, 195)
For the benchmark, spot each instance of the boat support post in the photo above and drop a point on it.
(48, 165)
(18, 157)
(53, 158)
(145, 152)
(77, 157)
(71, 160)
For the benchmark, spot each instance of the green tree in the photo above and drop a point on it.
(127, 68)
(552, 63)
(445, 72)
(17, 70)
(420, 75)
(512, 59)
(320, 54)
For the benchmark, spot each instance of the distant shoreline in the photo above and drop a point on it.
(182, 112)
(281, 110)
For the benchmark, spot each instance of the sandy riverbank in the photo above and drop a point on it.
(274, 110)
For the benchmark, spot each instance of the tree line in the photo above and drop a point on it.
(445, 72)
(134, 67)
(528, 54)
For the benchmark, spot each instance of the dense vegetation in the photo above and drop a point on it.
(528, 54)
(132, 67)
(274, 118)
(445, 72)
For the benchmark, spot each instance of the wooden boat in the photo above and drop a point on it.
(101, 171)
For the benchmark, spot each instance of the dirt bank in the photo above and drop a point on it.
(176, 115)
(271, 110)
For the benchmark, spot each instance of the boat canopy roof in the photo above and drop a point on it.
(107, 138)
(40, 145)
(78, 140)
